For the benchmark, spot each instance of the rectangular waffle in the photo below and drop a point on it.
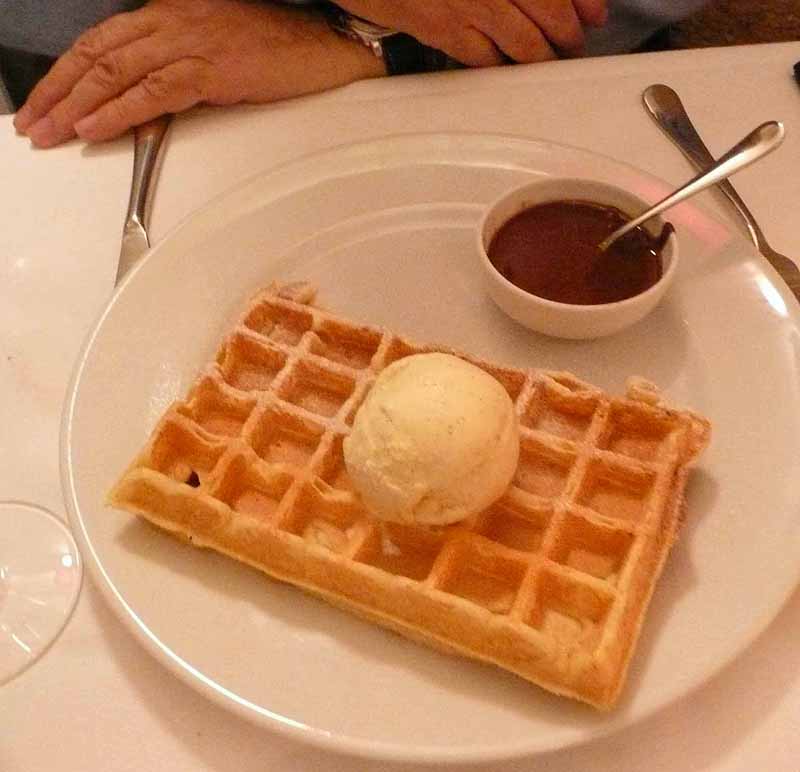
(551, 582)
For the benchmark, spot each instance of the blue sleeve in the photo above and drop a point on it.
(48, 27)
(631, 22)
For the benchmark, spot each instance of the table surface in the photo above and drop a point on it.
(97, 700)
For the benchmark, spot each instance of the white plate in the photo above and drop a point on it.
(385, 229)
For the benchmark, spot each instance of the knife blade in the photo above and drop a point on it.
(148, 139)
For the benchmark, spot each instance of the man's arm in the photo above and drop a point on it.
(173, 54)
(489, 32)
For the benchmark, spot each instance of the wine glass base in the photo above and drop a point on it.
(40, 579)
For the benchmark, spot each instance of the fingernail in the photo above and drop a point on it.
(43, 133)
(86, 126)
(23, 118)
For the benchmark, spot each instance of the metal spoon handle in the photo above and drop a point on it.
(667, 110)
(755, 145)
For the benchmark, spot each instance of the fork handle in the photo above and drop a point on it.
(147, 142)
(666, 108)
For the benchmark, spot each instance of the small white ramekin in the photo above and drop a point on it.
(567, 320)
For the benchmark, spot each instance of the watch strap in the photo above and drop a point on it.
(405, 55)
(402, 54)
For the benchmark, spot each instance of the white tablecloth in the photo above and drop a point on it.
(97, 701)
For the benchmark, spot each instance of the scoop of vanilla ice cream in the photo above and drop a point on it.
(435, 441)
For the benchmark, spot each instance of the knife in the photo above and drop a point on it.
(147, 141)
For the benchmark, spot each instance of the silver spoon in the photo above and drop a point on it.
(755, 145)
(667, 110)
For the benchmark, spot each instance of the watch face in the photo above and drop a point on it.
(366, 29)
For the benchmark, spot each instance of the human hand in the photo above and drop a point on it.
(483, 33)
(173, 54)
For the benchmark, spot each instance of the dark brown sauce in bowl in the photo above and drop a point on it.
(551, 250)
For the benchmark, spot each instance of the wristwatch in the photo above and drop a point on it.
(358, 29)
(402, 54)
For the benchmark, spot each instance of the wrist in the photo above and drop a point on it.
(356, 58)
(400, 53)
(339, 61)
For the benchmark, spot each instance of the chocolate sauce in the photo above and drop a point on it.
(551, 250)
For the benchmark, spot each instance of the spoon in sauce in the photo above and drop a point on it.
(762, 140)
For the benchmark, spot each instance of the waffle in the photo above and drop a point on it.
(551, 582)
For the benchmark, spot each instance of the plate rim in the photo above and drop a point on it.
(325, 739)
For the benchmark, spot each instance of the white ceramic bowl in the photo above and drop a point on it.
(567, 320)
